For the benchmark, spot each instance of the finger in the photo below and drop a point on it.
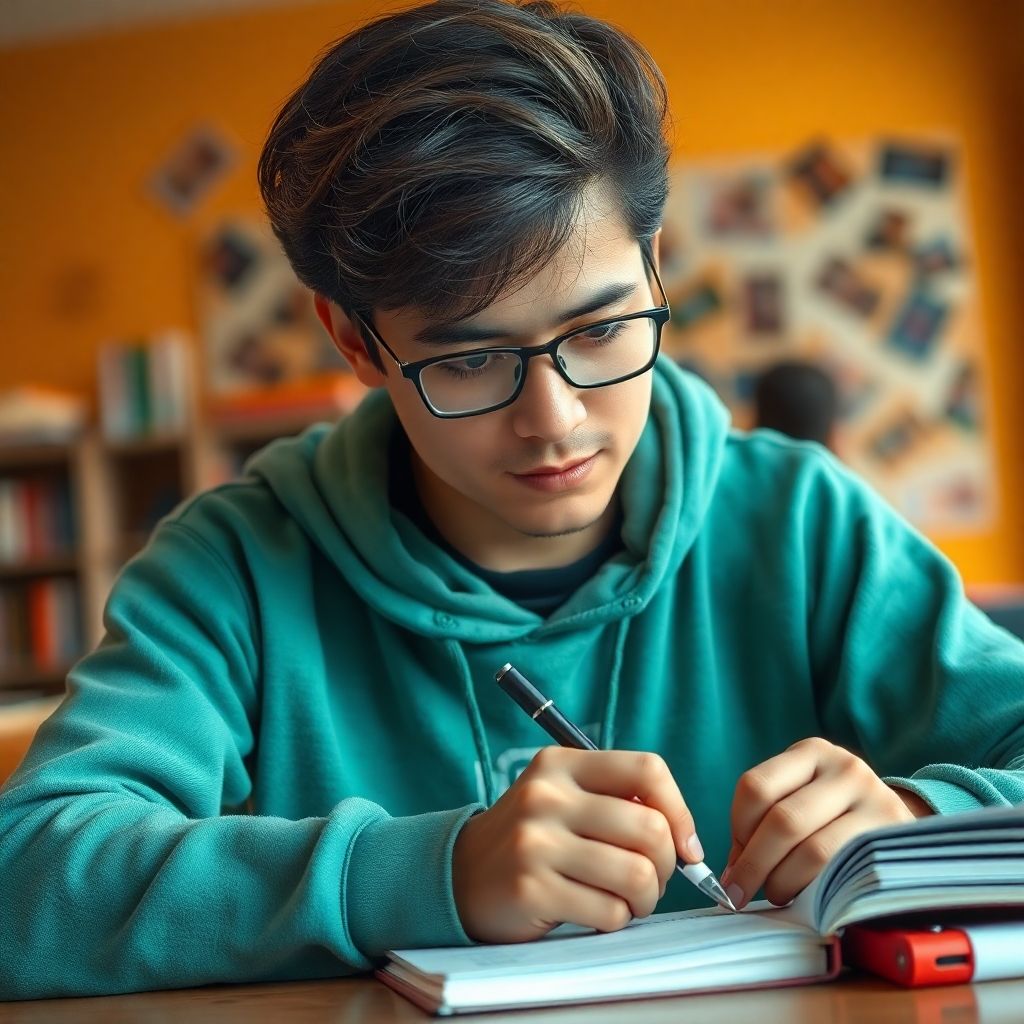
(806, 861)
(627, 825)
(587, 905)
(734, 852)
(763, 786)
(627, 875)
(629, 773)
(782, 830)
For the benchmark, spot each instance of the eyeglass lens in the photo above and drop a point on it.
(601, 355)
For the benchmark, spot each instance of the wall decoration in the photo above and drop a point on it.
(258, 323)
(200, 160)
(855, 255)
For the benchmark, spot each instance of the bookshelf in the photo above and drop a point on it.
(42, 597)
(114, 490)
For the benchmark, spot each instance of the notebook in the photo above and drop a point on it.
(939, 863)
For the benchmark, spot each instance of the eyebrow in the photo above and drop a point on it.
(453, 332)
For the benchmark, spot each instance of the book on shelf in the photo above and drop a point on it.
(36, 518)
(320, 398)
(40, 624)
(933, 868)
(144, 387)
(36, 415)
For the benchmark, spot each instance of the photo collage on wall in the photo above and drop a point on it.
(259, 326)
(854, 256)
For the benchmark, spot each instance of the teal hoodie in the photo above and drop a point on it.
(261, 771)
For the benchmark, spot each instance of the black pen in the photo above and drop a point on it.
(543, 711)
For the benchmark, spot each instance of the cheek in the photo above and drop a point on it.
(622, 410)
(454, 450)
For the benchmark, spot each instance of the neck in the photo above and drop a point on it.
(493, 544)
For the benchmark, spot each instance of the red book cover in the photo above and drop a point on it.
(41, 622)
(32, 518)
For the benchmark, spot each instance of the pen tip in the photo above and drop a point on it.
(714, 889)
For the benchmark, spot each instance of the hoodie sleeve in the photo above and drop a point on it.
(910, 674)
(122, 865)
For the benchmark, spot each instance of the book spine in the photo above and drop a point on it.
(67, 629)
(113, 387)
(160, 397)
(64, 530)
(30, 519)
(19, 637)
(169, 382)
(8, 511)
(40, 622)
(139, 396)
(46, 511)
(6, 660)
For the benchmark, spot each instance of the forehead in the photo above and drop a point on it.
(600, 251)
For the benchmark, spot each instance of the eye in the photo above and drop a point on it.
(604, 334)
(470, 366)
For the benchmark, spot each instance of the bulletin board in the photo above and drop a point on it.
(856, 256)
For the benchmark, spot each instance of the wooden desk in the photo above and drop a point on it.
(364, 1001)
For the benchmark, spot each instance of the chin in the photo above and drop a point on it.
(559, 522)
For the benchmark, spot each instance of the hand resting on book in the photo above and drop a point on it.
(791, 813)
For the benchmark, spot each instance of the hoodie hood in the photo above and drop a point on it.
(334, 483)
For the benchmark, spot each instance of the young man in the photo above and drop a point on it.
(289, 752)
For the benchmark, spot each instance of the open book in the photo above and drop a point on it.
(934, 864)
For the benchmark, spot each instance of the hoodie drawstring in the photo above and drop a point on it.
(483, 750)
(611, 705)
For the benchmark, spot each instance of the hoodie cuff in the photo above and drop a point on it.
(398, 887)
(941, 797)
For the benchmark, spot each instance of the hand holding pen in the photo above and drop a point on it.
(560, 729)
(566, 842)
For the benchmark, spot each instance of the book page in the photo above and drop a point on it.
(943, 861)
(656, 936)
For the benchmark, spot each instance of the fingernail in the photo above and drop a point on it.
(736, 894)
(694, 849)
(726, 875)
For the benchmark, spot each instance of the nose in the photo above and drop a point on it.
(548, 407)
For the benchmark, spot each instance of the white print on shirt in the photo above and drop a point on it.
(509, 765)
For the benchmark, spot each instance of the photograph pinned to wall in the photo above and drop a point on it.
(199, 161)
(918, 325)
(740, 207)
(867, 269)
(698, 303)
(936, 256)
(897, 437)
(922, 165)
(258, 323)
(963, 402)
(229, 257)
(890, 231)
(841, 281)
(763, 297)
(821, 173)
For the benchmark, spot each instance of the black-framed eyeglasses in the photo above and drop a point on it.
(481, 380)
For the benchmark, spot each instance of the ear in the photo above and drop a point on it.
(348, 341)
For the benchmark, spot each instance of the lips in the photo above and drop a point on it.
(555, 470)
(556, 479)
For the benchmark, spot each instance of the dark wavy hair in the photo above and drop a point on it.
(439, 156)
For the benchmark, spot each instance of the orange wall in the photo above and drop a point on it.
(86, 121)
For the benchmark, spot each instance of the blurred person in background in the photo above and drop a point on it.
(798, 399)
